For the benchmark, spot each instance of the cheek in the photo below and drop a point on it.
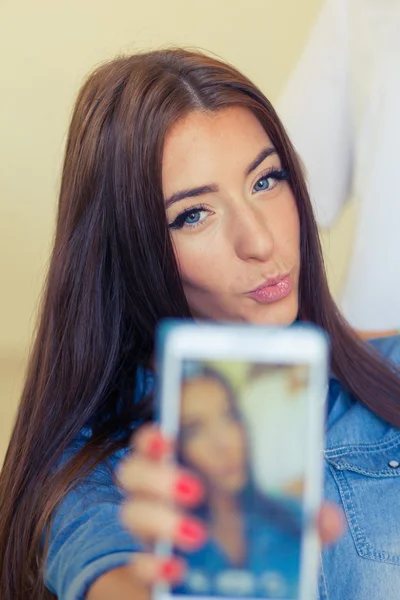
(282, 221)
(198, 456)
(238, 443)
(196, 262)
(288, 227)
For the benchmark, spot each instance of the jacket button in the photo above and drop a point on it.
(394, 464)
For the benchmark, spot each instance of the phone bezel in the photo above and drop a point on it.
(300, 344)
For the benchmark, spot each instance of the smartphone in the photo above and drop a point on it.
(246, 405)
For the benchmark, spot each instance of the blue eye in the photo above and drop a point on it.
(270, 179)
(263, 184)
(193, 217)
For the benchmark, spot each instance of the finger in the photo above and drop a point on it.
(150, 568)
(150, 442)
(159, 480)
(151, 521)
(331, 523)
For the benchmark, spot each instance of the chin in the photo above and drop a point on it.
(282, 313)
(235, 484)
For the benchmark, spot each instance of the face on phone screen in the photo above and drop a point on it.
(242, 432)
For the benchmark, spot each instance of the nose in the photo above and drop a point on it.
(220, 440)
(223, 438)
(252, 237)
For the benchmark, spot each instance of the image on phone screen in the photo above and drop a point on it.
(242, 430)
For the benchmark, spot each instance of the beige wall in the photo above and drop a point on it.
(46, 49)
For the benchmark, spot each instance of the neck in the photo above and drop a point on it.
(223, 505)
(227, 526)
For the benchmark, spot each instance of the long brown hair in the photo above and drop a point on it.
(113, 276)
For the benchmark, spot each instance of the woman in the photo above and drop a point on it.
(247, 529)
(181, 196)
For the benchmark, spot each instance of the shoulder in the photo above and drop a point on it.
(350, 423)
(388, 348)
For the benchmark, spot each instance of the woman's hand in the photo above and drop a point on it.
(330, 523)
(157, 496)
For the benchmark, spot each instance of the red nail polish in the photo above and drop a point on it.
(157, 445)
(191, 533)
(188, 490)
(172, 569)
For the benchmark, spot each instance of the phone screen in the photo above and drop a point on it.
(242, 431)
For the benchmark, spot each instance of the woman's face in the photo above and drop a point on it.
(213, 441)
(233, 219)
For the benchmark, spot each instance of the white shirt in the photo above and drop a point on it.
(341, 108)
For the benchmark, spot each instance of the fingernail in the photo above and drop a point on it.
(191, 533)
(172, 569)
(188, 490)
(157, 445)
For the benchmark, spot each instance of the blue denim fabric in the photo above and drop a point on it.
(360, 449)
(87, 539)
(258, 577)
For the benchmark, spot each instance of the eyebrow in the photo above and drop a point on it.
(191, 193)
(208, 189)
(260, 158)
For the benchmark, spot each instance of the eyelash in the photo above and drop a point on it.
(179, 222)
(278, 174)
(180, 219)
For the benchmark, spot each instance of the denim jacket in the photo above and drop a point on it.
(362, 474)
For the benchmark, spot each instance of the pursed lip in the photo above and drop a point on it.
(270, 282)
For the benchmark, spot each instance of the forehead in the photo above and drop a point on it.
(204, 146)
